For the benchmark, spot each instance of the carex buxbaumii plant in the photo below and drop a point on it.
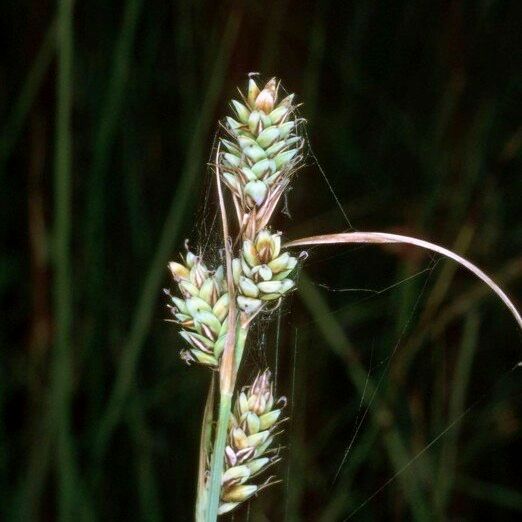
(258, 154)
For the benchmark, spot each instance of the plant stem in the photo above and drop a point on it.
(218, 451)
(240, 346)
(204, 451)
(218, 456)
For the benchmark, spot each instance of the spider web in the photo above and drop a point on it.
(365, 404)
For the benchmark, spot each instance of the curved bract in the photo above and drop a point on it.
(384, 237)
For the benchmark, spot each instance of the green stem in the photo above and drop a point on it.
(240, 346)
(204, 451)
(218, 456)
(218, 453)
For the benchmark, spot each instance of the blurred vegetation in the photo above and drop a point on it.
(108, 113)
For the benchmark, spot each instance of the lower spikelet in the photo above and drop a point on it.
(252, 428)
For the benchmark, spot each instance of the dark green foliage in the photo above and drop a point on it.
(411, 110)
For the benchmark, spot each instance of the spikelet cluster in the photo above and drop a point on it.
(261, 151)
(260, 275)
(252, 430)
(202, 310)
(258, 157)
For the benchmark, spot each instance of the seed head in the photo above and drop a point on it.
(251, 433)
(260, 152)
(202, 310)
(262, 271)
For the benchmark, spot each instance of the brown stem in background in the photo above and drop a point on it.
(40, 327)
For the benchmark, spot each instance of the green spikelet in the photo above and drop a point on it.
(261, 273)
(251, 433)
(261, 151)
(202, 310)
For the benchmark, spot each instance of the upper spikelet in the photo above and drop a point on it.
(261, 150)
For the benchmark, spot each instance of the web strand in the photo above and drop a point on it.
(428, 446)
(381, 378)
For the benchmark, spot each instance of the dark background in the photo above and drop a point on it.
(412, 113)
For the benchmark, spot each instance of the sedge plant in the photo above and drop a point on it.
(259, 152)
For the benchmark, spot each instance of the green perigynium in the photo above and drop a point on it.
(202, 310)
(251, 432)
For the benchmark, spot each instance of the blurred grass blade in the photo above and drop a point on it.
(449, 452)
(184, 197)
(61, 388)
(493, 493)
(383, 237)
(148, 491)
(109, 118)
(459, 307)
(16, 119)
